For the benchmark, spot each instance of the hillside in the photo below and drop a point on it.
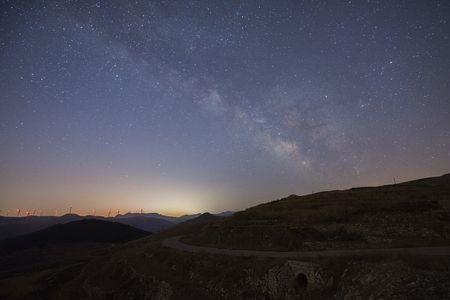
(144, 223)
(82, 231)
(15, 226)
(410, 214)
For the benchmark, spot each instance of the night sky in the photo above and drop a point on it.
(183, 107)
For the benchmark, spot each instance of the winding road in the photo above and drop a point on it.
(175, 243)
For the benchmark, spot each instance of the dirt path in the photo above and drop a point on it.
(175, 243)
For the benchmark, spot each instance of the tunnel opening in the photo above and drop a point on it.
(301, 281)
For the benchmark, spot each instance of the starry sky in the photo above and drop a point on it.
(191, 106)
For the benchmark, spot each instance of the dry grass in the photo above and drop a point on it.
(407, 214)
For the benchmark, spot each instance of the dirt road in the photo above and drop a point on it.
(175, 243)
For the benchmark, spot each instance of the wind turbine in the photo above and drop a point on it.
(18, 212)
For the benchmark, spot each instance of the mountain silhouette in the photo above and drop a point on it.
(81, 231)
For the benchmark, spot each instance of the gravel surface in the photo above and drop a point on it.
(175, 243)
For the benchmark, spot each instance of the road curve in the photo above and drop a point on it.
(175, 243)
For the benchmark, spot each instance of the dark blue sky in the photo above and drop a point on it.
(184, 106)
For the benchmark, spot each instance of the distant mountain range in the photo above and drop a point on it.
(174, 220)
(151, 222)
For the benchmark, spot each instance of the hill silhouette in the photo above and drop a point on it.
(82, 231)
(15, 226)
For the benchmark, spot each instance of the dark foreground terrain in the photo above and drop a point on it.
(408, 215)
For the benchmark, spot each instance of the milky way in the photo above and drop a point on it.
(219, 104)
